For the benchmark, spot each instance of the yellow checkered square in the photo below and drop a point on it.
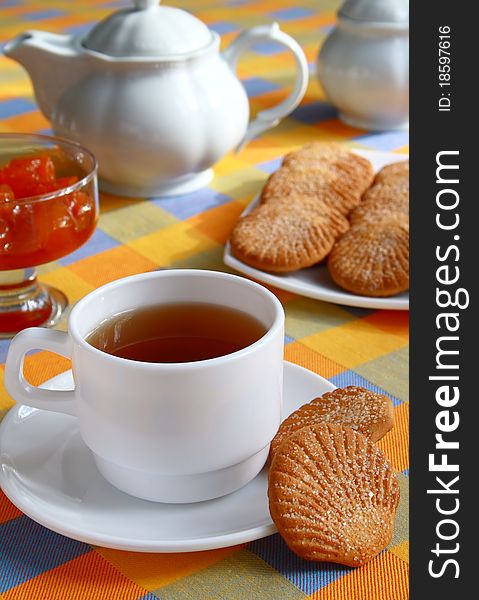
(135, 220)
(172, 243)
(353, 343)
(305, 315)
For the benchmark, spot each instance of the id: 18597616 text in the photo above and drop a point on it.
(444, 68)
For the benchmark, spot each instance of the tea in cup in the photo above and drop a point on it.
(184, 425)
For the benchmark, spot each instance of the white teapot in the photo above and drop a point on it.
(148, 91)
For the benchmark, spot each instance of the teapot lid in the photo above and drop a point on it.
(148, 30)
(376, 11)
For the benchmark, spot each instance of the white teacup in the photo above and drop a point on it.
(168, 432)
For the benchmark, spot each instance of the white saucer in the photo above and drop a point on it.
(48, 473)
(316, 282)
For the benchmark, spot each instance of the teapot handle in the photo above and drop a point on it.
(272, 116)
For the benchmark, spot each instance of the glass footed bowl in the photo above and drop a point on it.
(53, 221)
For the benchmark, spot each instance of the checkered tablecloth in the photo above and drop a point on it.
(346, 345)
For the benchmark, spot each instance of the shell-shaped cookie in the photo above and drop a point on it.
(372, 260)
(365, 411)
(287, 237)
(333, 495)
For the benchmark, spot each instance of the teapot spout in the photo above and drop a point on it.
(53, 62)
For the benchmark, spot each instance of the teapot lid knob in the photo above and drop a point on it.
(145, 4)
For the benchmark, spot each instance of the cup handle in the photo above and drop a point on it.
(272, 116)
(37, 338)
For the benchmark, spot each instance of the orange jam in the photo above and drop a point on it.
(35, 230)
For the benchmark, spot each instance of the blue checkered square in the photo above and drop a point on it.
(291, 14)
(16, 106)
(351, 378)
(307, 576)
(28, 549)
(255, 86)
(268, 48)
(4, 344)
(314, 112)
(222, 27)
(388, 140)
(99, 242)
(188, 205)
(43, 14)
(270, 166)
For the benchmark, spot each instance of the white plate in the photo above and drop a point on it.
(316, 282)
(48, 473)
